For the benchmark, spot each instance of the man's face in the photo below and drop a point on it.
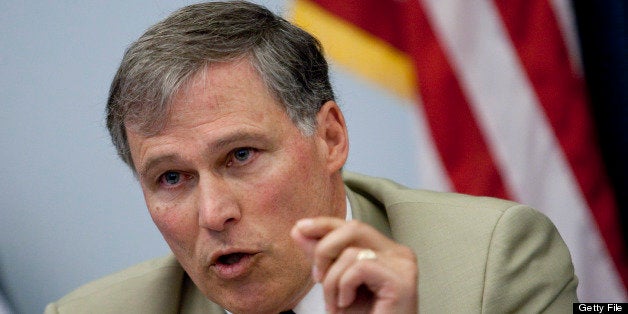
(226, 180)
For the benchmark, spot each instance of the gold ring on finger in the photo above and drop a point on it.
(366, 254)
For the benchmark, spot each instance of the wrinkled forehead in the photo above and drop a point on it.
(213, 83)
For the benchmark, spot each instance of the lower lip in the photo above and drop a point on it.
(236, 270)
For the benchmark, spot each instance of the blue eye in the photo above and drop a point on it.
(242, 154)
(171, 178)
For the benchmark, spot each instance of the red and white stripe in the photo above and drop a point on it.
(521, 108)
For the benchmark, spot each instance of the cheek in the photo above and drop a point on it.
(266, 195)
(287, 192)
(177, 226)
(167, 213)
(164, 218)
(269, 199)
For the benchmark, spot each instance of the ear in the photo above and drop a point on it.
(332, 130)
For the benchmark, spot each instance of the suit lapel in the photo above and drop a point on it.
(366, 211)
(194, 301)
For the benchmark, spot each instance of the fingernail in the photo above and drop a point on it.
(305, 222)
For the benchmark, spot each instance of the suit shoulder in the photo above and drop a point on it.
(482, 252)
(127, 288)
(388, 194)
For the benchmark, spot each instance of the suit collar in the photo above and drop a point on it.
(365, 207)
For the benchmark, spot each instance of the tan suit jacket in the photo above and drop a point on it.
(475, 255)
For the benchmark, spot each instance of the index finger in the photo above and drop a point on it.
(331, 236)
(307, 232)
(318, 227)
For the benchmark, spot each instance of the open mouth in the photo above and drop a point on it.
(233, 265)
(230, 259)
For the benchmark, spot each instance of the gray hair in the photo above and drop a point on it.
(289, 60)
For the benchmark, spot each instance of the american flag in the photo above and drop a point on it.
(500, 87)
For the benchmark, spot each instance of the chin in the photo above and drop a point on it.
(271, 297)
(248, 305)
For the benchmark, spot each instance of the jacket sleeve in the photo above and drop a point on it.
(51, 309)
(528, 267)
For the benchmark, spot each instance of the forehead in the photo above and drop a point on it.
(212, 85)
(219, 87)
(219, 102)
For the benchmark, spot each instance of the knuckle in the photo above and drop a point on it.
(354, 225)
(321, 252)
(352, 251)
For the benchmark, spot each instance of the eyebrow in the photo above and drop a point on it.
(238, 136)
(218, 145)
(156, 161)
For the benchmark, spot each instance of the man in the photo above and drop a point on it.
(225, 113)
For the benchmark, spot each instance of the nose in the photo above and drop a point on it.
(217, 205)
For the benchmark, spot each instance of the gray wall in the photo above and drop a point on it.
(70, 211)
